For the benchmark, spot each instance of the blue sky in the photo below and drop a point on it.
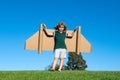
(20, 19)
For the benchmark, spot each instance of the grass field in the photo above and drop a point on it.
(64, 75)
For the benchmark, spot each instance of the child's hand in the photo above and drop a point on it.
(76, 29)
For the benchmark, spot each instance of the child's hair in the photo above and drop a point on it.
(59, 25)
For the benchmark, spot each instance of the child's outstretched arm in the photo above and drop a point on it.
(45, 30)
(72, 34)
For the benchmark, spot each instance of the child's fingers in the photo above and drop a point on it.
(75, 28)
(44, 26)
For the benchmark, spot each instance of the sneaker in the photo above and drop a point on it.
(59, 70)
(51, 69)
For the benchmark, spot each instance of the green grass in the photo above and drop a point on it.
(64, 75)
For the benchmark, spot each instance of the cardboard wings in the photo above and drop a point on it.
(40, 41)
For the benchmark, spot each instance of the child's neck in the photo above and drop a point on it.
(61, 31)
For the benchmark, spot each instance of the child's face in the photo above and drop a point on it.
(61, 28)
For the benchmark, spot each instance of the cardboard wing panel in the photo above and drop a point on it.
(84, 45)
(48, 42)
(32, 42)
(71, 42)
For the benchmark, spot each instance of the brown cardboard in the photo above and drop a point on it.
(78, 41)
(39, 41)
